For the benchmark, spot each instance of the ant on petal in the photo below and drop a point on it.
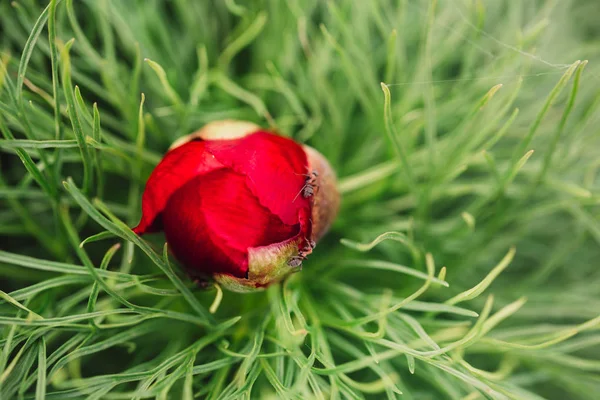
(310, 185)
(296, 261)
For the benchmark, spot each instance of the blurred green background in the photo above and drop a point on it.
(462, 265)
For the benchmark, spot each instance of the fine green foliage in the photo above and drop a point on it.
(463, 263)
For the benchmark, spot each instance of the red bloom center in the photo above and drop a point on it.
(216, 199)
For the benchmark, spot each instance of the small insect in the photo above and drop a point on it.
(310, 245)
(296, 261)
(307, 249)
(310, 185)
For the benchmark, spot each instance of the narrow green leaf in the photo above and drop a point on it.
(96, 286)
(388, 266)
(561, 125)
(200, 82)
(97, 237)
(28, 51)
(162, 76)
(244, 39)
(40, 390)
(58, 133)
(120, 229)
(232, 88)
(37, 144)
(525, 142)
(396, 236)
(487, 281)
(29, 164)
(74, 117)
(4, 296)
(392, 134)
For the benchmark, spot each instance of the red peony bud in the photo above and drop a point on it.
(240, 203)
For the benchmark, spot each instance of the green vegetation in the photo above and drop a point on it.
(463, 263)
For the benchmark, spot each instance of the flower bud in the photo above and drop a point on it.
(239, 203)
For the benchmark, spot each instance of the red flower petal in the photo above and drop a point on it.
(212, 221)
(175, 169)
(276, 168)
